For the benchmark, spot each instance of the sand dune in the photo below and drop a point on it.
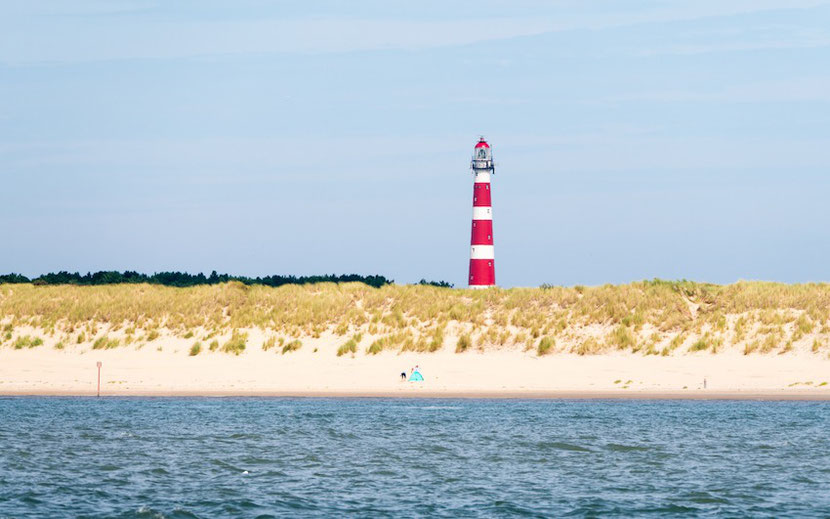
(676, 339)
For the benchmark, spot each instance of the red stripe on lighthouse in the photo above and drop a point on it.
(482, 272)
(482, 232)
(481, 194)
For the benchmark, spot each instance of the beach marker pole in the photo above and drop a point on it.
(482, 269)
(99, 377)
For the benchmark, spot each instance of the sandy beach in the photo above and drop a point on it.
(316, 370)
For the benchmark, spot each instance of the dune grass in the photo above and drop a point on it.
(464, 343)
(269, 343)
(294, 345)
(648, 317)
(105, 343)
(27, 341)
(546, 344)
(350, 346)
(236, 344)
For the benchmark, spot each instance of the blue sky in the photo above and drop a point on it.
(634, 139)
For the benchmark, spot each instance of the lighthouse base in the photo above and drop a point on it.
(482, 273)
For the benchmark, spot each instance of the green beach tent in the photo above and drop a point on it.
(416, 376)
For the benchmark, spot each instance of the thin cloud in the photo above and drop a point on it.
(29, 35)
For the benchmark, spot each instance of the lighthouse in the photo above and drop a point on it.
(482, 262)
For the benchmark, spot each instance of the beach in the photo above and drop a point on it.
(164, 367)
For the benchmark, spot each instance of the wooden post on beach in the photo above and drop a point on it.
(99, 377)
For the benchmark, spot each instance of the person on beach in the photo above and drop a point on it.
(416, 376)
(403, 376)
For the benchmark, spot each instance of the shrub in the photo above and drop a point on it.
(342, 329)
(769, 344)
(464, 343)
(436, 339)
(81, 338)
(751, 347)
(589, 346)
(803, 324)
(699, 345)
(105, 343)
(189, 334)
(740, 329)
(349, 347)
(294, 345)
(622, 338)
(214, 345)
(59, 345)
(269, 343)
(376, 346)
(195, 349)
(677, 341)
(26, 341)
(153, 335)
(545, 345)
(236, 344)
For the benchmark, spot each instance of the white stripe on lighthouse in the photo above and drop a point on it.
(482, 176)
(482, 252)
(482, 213)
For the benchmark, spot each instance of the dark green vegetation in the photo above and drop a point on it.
(184, 279)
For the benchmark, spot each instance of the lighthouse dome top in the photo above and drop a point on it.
(482, 157)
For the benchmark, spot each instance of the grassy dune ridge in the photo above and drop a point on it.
(650, 317)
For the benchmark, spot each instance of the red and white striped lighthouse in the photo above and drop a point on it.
(482, 262)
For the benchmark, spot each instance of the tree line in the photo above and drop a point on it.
(185, 279)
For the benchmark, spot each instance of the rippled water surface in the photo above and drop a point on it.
(200, 457)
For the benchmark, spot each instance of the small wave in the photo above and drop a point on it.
(705, 498)
(245, 436)
(226, 465)
(618, 447)
(562, 446)
(668, 509)
(145, 512)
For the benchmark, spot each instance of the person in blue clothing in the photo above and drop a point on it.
(416, 376)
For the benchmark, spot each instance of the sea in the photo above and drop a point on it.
(385, 457)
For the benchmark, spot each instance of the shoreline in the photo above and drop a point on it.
(415, 393)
